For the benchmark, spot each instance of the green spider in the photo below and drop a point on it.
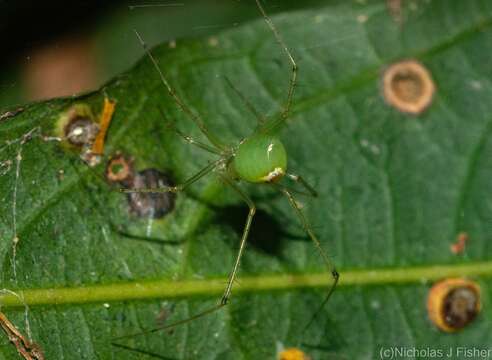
(260, 158)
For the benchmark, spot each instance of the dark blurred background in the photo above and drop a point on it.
(55, 48)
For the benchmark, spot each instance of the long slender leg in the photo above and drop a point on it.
(260, 118)
(197, 119)
(232, 276)
(173, 189)
(293, 79)
(170, 326)
(143, 352)
(291, 189)
(197, 143)
(188, 138)
(247, 226)
(326, 259)
(304, 183)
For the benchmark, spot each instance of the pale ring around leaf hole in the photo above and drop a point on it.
(452, 304)
(408, 86)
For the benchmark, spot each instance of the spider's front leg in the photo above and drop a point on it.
(174, 189)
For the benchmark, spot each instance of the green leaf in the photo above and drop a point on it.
(394, 192)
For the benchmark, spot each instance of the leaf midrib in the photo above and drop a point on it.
(165, 288)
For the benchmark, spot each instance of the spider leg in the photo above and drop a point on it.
(196, 118)
(293, 79)
(247, 226)
(189, 139)
(170, 326)
(330, 266)
(303, 183)
(260, 118)
(227, 293)
(140, 351)
(291, 189)
(174, 189)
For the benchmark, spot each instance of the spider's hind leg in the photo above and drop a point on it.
(227, 293)
(244, 237)
(329, 264)
(297, 178)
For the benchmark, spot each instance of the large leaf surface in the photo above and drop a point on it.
(395, 190)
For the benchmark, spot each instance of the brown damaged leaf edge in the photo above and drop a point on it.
(11, 113)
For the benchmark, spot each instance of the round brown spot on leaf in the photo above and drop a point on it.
(408, 86)
(453, 303)
(119, 169)
(76, 126)
(151, 204)
(80, 131)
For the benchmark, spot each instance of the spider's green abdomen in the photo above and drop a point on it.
(260, 158)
